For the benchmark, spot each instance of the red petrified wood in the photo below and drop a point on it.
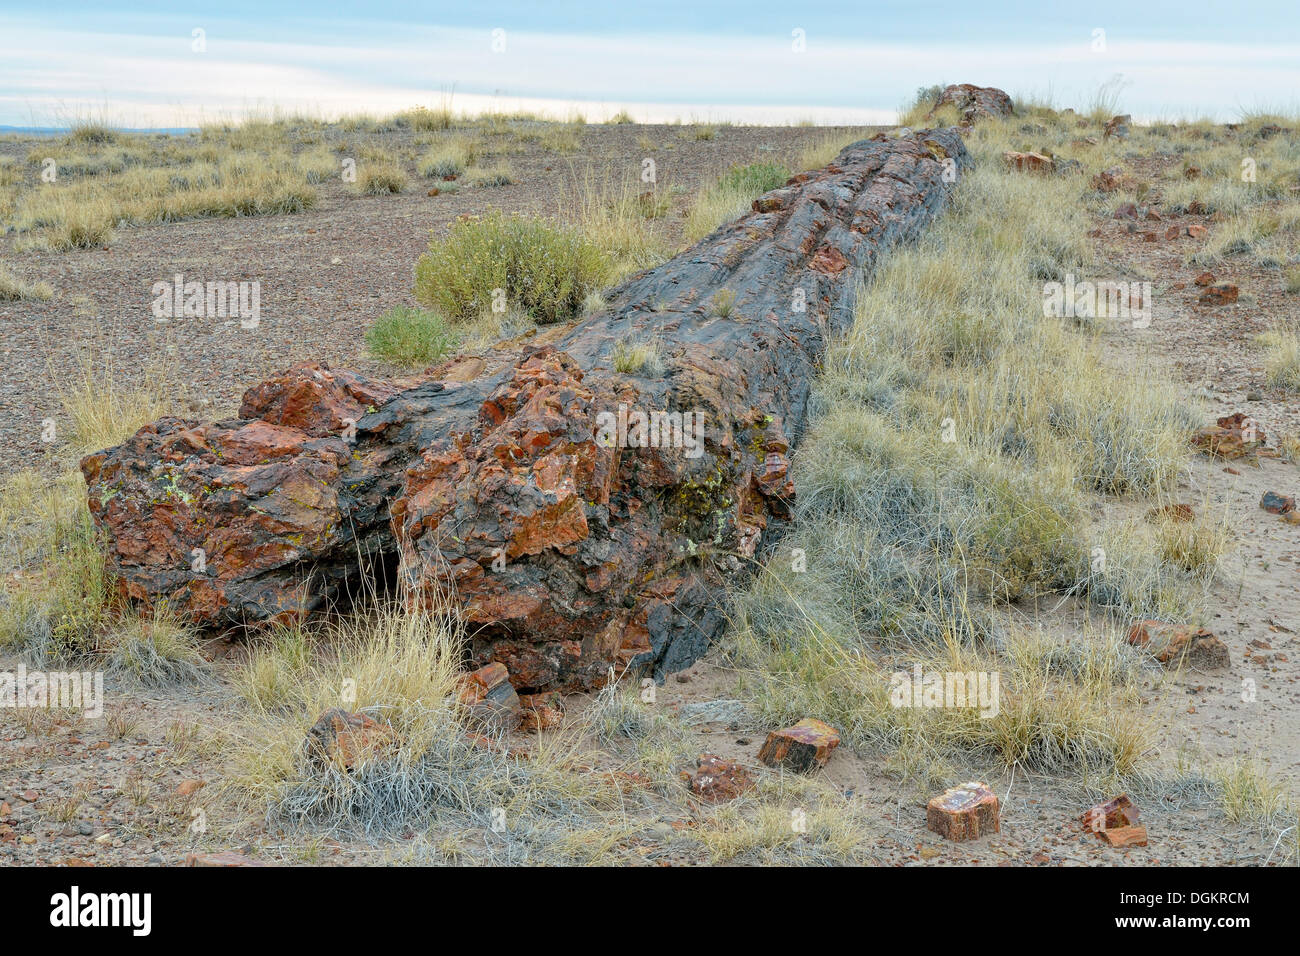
(1125, 836)
(1114, 813)
(961, 813)
(716, 780)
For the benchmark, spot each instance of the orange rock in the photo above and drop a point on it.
(1107, 181)
(1176, 512)
(541, 711)
(1197, 232)
(716, 780)
(1028, 162)
(967, 812)
(1232, 436)
(803, 747)
(974, 102)
(492, 700)
(1125, 836)
(1204, 279)
(1118, 127)
(1116, 812)
(1276, 504)
(189, 787)
(345, 739)
(1172, 645)
(1221, 293)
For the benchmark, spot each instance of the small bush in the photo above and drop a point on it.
(407, 336)
(547, 270)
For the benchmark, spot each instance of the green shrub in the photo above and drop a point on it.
(545, 269)
(755, 179)
(731, 196)
(408, 336)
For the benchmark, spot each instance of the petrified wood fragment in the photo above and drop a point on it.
(961, 813)
(804, 747)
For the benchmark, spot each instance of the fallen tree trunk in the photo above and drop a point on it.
(585, 517)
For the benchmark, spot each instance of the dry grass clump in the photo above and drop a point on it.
(13, 289)
(731, 196)
(638, 358)
(958, 440)
(619, 218)
(84, 212)
(56, 604)
(1282, 357)
(401, 668)
(499, 174)
(100, 411)
(827, 147)
(380, 178)
(424, 119)
(449, 158)
(318, 165)
(235, 171)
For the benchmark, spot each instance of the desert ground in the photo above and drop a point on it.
(1080, 500)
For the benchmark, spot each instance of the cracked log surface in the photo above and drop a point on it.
(571, 547)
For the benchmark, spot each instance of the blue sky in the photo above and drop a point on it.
(138, 64)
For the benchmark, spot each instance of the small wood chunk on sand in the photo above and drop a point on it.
(804, 747)
(963, 813)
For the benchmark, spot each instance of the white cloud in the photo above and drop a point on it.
(138, 80)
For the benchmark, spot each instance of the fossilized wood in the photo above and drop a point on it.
(975, 102)
(568, 553)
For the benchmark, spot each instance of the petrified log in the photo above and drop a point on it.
(585, 518)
